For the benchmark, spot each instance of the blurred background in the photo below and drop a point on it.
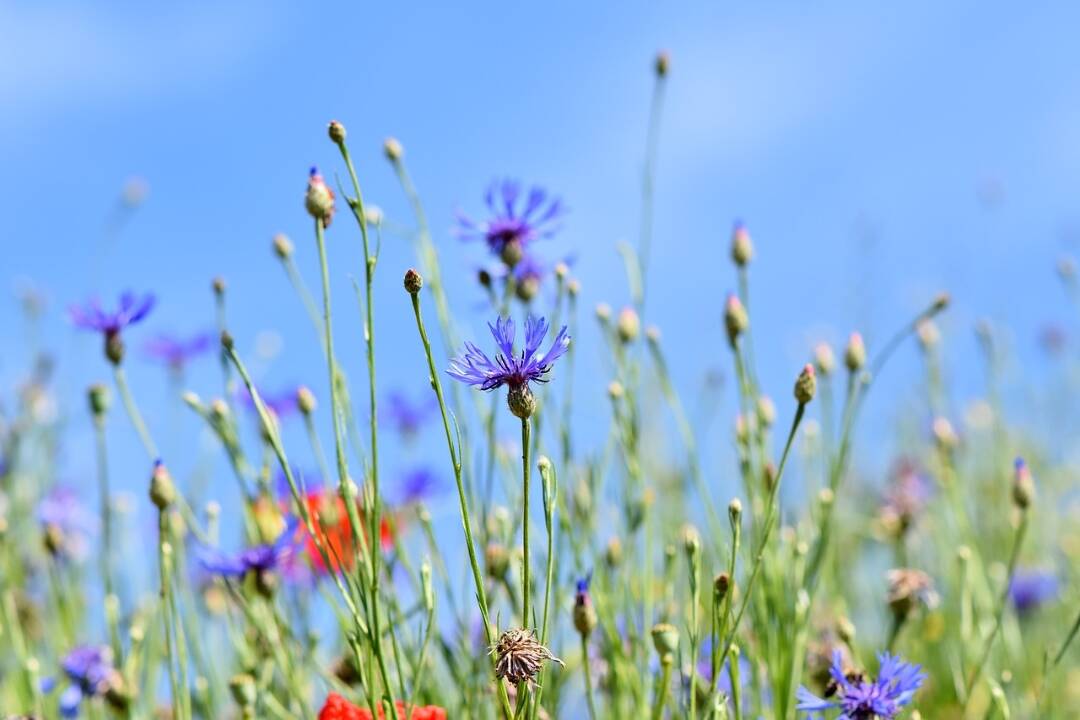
(878, 154)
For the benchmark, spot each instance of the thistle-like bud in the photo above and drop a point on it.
(665, 638)
(114, 347)
(305, 400)
(806, 385)
(662, 64)
(742, 250)
(766, 411)
(336, 131)
(162, 490)
(283, 246)
(512, 253)
(855, 352)
(243, 690)
(691, 542)
(519, 656)
(319, 199)
(1023, 490)
(628, 325)
(736, 321)
(496, 560)
(393, 150)
(613, 553)
(218, 285)
(824, 358)
(585, 619)
(413, 281)
(909, 589)
(521, 401)
(99, 398)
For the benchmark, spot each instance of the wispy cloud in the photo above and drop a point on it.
(57, 57)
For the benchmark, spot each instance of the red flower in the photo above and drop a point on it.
(331, 520)
(338, 708)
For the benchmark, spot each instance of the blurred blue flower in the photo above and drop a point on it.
(131, 309)
(404, 415)
(258, 559)
(512, 223)
(416, 484)
(282, 403)
(1030, 589)
(860, 699)
(477, 369)
(91, 672)
(67, 522)
(175, 351)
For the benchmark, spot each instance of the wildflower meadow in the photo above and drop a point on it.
(492, 492)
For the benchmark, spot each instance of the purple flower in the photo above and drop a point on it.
(405, 416)
(280, 404)
(67, 523)
(258, 559)
(417, 484)
(176, 352)
(1029, 589)
(91, 672)
(860, 699)
(91, 316)
(515, 219)
(477, 369)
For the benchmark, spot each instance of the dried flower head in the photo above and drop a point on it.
(519, 656)
(908, 589)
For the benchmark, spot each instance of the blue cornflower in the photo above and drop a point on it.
(91, 672)
(512, 225)
(860, 699)
(1029, 589)
(406, 416)
(175, 351)
(66, 522)
(260, 559)
(416, 484)
(516, 372)
(91, 316)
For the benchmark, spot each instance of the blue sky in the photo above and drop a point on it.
(877, 153)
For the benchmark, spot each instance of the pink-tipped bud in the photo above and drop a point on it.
(1023, 491)
(319, 199)
(806, 385)
(742, 250)
(736, 321)
(824, 358)
(855, 352)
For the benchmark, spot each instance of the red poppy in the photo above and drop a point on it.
(338, 708)
(331, 519)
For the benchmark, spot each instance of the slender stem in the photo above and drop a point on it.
(660, 700)
(526, 432)
(588, 677)
(164, 553)
(999, 614)
(133, 412)
(766, 531)
(652, 141)
(466, 522)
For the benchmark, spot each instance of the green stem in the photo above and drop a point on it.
(133, 412)
(588, 677)
(455, 461)
(526, 431)
(662, 690)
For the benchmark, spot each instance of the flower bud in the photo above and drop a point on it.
(218, 285)
(305, 400)
(483, 276)
(735, 318)
(98, 395)
(561, 270)
(1023, 490)
(855, 352)
(662, 63)
(585, 619)
(928, 334)
(721, 585)
(805, 385)
(613, 553)
(373, 215)
(521, 401)
(824, 358)
(413, 281)
(665, 639)
(615, 390)
(691, 541)
(393, 150)
(336, 131)
(742, 250)
(162, 490)
(243, 690)
(114, 347)
(909, 589)
(941, 301)
(766, 411)
(652, 334)
(603, 312)
(226, 340)
(573, 287)
(496, 560)
(283, 246)
(944, 434)
(319, 199)
(628, 325)
(768, 475)
(512, 253)
(734, 511)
